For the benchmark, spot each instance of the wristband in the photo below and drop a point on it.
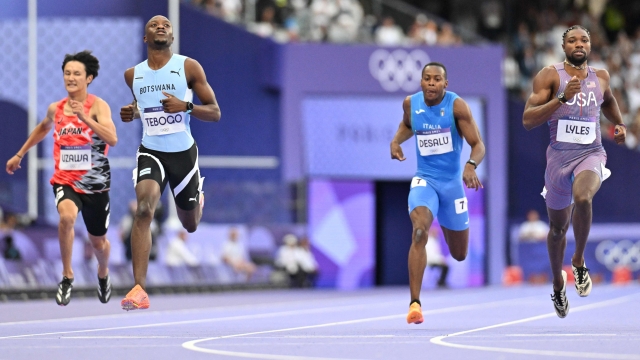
(18, 155)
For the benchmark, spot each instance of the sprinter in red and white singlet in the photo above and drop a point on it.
(83, 132)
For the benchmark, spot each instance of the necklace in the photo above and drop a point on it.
(581, 67)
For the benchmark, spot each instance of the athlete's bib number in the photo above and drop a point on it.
(75, 157)
(434, 142)
(158, 122)
(576, 132)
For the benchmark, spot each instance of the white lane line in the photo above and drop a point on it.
(192, 345)
(439, 340)
(180, 311)
(115, 337)
(216, 319)
(556, 335)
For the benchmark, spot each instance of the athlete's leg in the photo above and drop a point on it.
(458, 242)
(557, 242)
(147, 194)
(189, 202)
(102, 249)
(421, 219)
(68, 213)
(190, 219)
(585, 186)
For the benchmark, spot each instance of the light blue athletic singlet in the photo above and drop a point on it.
(162, 131)
(438, 143)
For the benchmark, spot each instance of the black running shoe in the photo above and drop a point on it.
(104, 289)
(583, 280)
(64, 291)
(559, 298)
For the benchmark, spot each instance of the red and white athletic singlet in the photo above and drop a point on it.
(80, 156)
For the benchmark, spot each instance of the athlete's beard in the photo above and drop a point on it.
(577, 62)
(160, 42)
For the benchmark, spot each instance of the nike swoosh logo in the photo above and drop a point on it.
(419, 111)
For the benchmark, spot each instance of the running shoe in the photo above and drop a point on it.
(415, 314)
(583, 280)
(559, 298)
(64, 291)
(104, 289)
(137, 298)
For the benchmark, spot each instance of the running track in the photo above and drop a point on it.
(485, 323)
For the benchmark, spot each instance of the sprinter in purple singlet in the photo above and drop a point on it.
(569, 97)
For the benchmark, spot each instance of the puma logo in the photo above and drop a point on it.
(175, 72)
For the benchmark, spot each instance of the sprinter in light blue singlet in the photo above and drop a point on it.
(439, 119)
(163, 87)
(162, 131)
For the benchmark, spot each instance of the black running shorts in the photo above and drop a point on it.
(179, 169)
(95, 207)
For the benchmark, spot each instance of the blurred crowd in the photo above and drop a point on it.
(335, 21)
(534, 42)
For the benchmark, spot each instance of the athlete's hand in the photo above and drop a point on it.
(127, 113)
(13, 164)
(172, 104)
(396, 151)
(572, 88)
(470, 177)
(620, 134)
(78, 108)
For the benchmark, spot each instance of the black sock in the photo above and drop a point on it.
(415, 301)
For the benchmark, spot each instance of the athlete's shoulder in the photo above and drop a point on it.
(601, 73)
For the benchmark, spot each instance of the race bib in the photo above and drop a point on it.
(75, 157)
(576, 132)
(434, 142)
(417, 181)
(158, 122)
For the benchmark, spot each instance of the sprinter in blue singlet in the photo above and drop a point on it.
(163, 87)
(439, 119)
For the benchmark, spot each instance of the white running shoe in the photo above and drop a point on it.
(583, 280)
(559, 299)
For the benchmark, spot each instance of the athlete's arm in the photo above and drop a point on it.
(99, 120)
(39, 132)
(130, 111)
(404, 131)
(469, 130)
(197, 80)
(610, 108)
(540, 106)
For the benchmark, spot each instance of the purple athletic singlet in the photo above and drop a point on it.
(576, 143)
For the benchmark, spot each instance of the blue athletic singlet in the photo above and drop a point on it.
(438, 143)
(162, 131)
(438, 181)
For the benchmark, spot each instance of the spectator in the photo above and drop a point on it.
(178, 254)
(235, 254)
(533, 229)
(307, 262)
(388, 33)
(8, 225)
(286, 259)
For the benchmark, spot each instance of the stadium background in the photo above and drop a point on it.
(302, 146)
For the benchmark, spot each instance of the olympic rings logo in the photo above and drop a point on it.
(623, 253)
(398, 69)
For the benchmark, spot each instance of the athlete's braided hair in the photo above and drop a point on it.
(91, 64)
(564, 34)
